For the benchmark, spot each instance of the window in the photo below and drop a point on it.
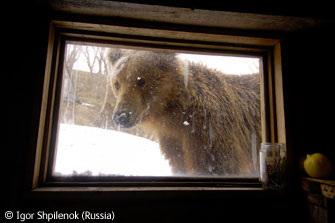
(156, 107)
(97, 107)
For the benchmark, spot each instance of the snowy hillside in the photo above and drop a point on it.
(88, 150)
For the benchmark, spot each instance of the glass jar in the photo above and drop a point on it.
(272, 165)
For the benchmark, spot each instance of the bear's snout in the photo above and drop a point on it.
(122, 118)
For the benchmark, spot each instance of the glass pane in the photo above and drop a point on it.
(140, 113)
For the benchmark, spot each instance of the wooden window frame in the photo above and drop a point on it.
(157, 37)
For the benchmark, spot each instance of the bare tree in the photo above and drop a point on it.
(106, 108)
(102, 64)
(90, 53)
(71, 56)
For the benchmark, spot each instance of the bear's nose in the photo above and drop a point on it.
(122, 118)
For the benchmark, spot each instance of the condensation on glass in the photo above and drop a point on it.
(140, 113)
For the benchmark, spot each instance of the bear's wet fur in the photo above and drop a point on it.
(204, 120)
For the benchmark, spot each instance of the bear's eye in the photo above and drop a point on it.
(117, 85)
(140, 82)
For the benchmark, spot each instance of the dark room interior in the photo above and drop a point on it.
(306, 35)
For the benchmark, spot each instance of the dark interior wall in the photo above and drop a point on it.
(308, 69)
(26, 29)
(307, 76)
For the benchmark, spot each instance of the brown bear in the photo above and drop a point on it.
(204, 120)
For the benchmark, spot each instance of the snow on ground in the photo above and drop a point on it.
(101, 151)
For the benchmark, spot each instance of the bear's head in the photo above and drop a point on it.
(143, 84)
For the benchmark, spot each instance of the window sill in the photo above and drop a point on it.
(151, 193)
(136, 189)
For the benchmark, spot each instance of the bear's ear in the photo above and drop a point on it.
(167, 62)
(113, 55)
